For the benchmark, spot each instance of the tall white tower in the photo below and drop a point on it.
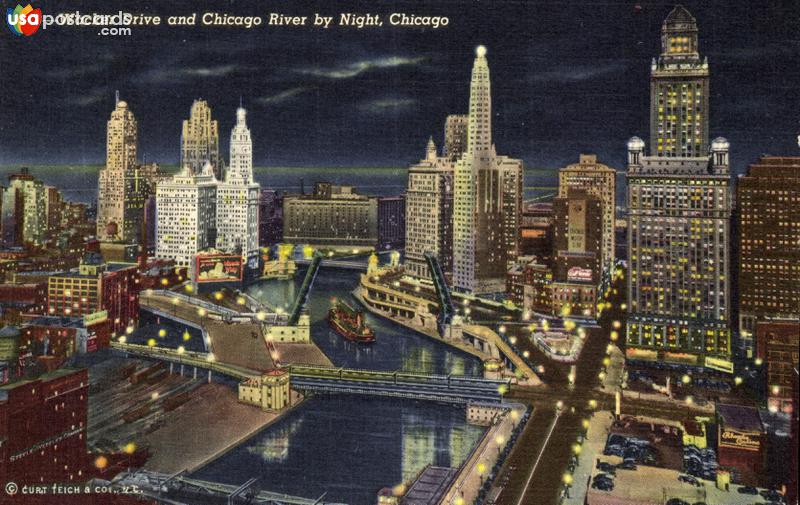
(487, 197)
(237, 198)
(240, 170)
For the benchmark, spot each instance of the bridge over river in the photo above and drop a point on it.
(331, 380)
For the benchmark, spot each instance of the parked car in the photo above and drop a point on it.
(606, 467)
(676, 501)
(689, 480)
(603, 476)
(627, 465)
(771, 495)
(603, 485)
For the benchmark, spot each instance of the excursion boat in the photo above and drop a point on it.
(349, 323)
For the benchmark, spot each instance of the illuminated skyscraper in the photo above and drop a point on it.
(200, 140)
(768, 200)
(679, 91)
(598, 180)
(487, 197)
(237, 198)
(24, 210)
(123, 184)
(455, 136)
(679, 202)
(186, 215)
(429, 212)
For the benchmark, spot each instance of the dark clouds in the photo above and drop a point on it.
(567, 77)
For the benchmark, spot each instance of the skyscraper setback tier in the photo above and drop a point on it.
(679, 91)
(487, 198)
(679, 211)
(768, 199)
(237, 198)
(200, 140)
(598, 180)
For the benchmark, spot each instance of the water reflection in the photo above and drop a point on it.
(349, 447)
(273, 447)
(396, 348)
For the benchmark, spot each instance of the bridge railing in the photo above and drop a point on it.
(300, 301)
(446, 310)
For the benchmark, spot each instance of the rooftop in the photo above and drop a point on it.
(740, 417)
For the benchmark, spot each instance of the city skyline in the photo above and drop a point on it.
(402, 89)
(212, 318)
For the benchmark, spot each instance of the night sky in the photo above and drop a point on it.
(567, 77)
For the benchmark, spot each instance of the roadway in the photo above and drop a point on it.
(241, 344)
(548, 436)
(417, 391)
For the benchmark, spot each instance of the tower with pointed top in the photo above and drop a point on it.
(237, 198)
(487, 198)
(123, 185)
(241, 160)
(200, 140)
(679, 211)
(679, 91)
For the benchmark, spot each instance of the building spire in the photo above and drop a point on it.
(116, 98)
(479, 130)
(430, 151)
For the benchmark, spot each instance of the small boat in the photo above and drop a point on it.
(349, 323)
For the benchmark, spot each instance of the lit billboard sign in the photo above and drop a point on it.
(218, 268)
(736, 439)
(578, 274)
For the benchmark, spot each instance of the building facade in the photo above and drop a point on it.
(679, 91)
(270, 217)
(96, 287)
(679, 202)
(768, 212)
(778, 347)
(391, 222)
(334, 217)
(41, 421)
(484, 202)
(123, 185)
(598, 180)
(186, 221)
(455, 136)
(237, 199)
(429, 213)
(536, 230)
(577, 252)
(200, 140)
(24, 210)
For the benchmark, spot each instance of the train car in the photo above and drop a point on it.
(136, 414)
(367, 375)
(175, 401)
(412, 378)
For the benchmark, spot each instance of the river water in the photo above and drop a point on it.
(348, 446)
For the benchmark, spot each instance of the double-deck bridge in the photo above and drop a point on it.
(441, 388)
(331, 380)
